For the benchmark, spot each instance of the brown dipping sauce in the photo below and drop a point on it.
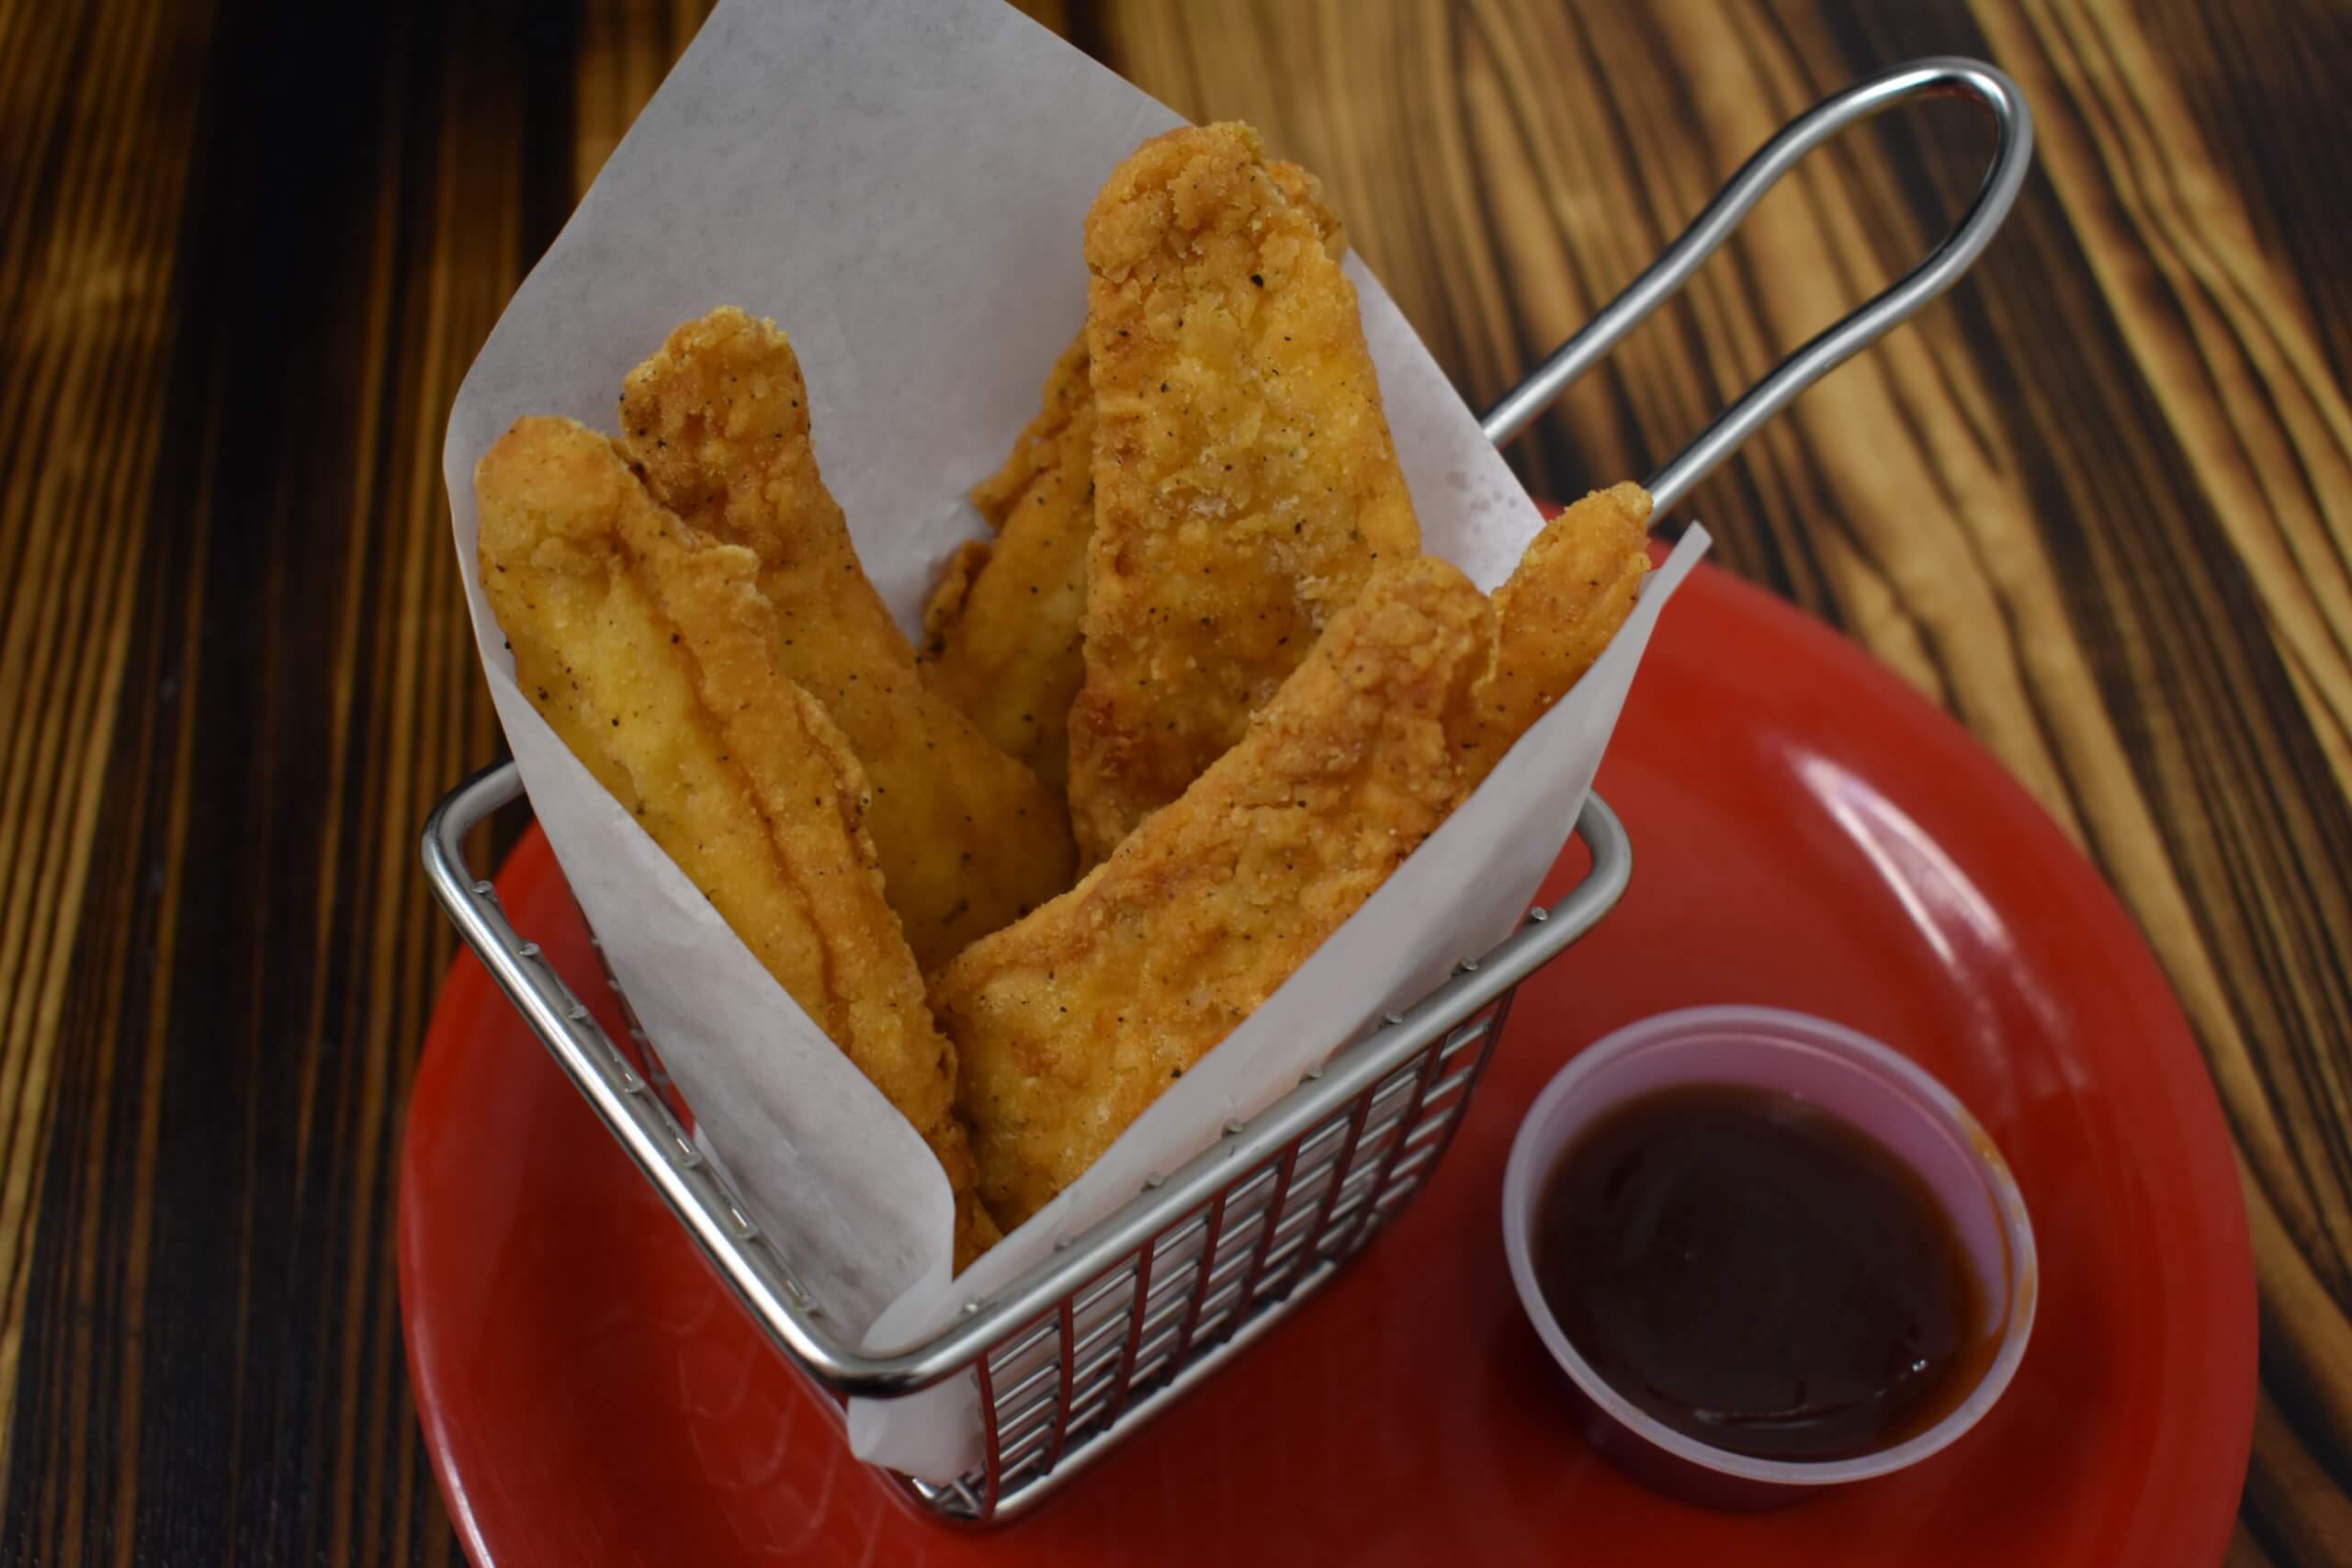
(1758, 1275)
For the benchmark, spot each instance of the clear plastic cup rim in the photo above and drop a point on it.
(1904, 1108)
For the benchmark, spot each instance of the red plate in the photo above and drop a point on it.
(1807, 832)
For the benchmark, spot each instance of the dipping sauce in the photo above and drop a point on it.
(1758, 1275)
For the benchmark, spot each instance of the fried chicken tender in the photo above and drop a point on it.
(1246, 483)
(1071, 1020)
(1038, 450)
(1000, 634)
(948, 595)
(1571, 590)
(718, 424)
(1002, 631)
(651, 650)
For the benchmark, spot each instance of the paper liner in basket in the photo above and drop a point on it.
(901, 184)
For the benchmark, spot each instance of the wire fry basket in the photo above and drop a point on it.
(1126, 1317)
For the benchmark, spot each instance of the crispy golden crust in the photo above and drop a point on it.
(1008, 654)
(1565, 600)
(1246, 485)
(1039, 447)
(1071, 1020)
(651, 651)
(953, 589)
(1002, 636)
(717, 422)
(1303, 190)
(1068, 392)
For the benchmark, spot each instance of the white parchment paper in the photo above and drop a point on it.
(901, 184)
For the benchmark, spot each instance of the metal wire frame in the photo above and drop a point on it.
(1130, 1314)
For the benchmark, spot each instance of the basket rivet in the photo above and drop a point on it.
(528, 950)
(1468, 966)
(1153, 1182)
(485, 890)
(1539, 914)
(1061, 1244)
(971, 1309)
(1233, 1129)
(1391, 1020)
(1314, 1074)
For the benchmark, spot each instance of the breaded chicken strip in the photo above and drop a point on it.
(651, 650)
(717, 423)
(1071, 1020)
(1246, 485)
(1565, 600)
(1038, 450)
(1035, 449)
(1002, 632)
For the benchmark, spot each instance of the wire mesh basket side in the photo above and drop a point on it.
(1061, 1387)
(1171, 1311)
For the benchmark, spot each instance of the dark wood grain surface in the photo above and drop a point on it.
(2098, 503)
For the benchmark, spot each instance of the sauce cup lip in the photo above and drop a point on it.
(1532, 1156)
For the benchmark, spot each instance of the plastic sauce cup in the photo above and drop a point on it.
(1848, 1076)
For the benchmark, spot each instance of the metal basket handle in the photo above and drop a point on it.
(1940, 77)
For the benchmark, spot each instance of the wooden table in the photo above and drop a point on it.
(2098, 503)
